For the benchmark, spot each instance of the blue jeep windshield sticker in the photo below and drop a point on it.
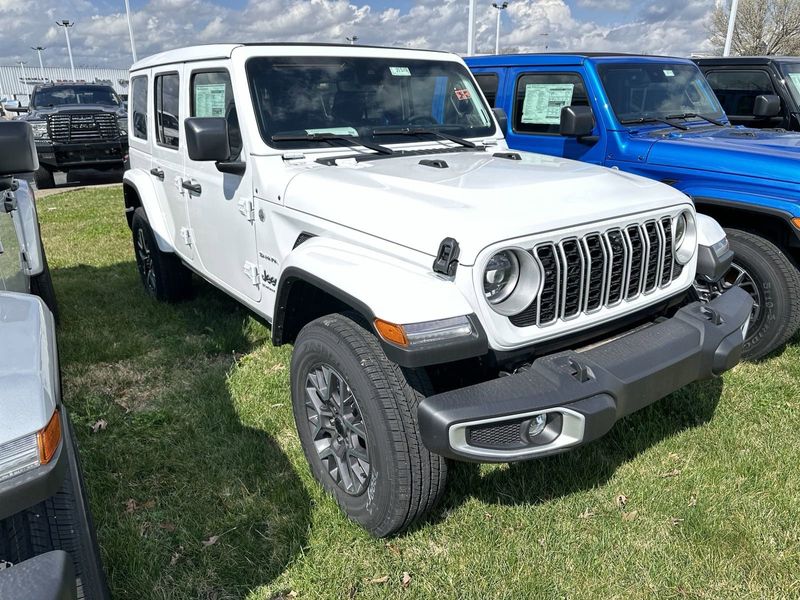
(544, 101)
(209, 100)
(400, 71)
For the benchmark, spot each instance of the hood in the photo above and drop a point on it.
(42, 113)
(476, 198)
(759, 153)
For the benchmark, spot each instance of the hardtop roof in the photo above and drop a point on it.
(561, 59)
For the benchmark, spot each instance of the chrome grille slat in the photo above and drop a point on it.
(602, 269)
(82, 127)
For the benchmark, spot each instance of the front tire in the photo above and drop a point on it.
(163, 275)
(44, 179)
(356, 417)
(766, 273)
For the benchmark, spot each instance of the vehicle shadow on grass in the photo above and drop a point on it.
(584, 468)
(191, 494)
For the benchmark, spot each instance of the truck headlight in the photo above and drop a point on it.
(30, 451)
(685, 237)
(122, 122)
(40, 130)
(511, 281)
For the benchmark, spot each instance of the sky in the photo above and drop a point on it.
(100, 34)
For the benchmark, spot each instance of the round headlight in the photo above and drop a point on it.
(685, 237)
(501, 276)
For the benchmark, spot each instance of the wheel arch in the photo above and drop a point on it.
(138, 191)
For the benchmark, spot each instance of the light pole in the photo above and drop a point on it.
(39, 50)
(731, 27)
(500, 8)
(130, 29)
(352, 40)
(66, 25)
(471, 29)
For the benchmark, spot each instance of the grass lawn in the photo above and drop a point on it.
(199, 488)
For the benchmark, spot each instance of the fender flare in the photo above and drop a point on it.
(31, 241)
(368, 281)
(143, 185)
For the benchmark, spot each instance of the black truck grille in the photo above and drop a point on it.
(583, 275)
(75, 128)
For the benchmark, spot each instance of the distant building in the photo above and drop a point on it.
(14, 87)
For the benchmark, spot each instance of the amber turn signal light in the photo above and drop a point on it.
(48, 439)
(796, 222)
(391, 332)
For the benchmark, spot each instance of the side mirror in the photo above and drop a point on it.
(19, 149)
(576, 121)
(207, 138)
(502, 119)
(16, 109)
(767, 106)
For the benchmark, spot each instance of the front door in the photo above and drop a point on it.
(166, 166)
(221, 210)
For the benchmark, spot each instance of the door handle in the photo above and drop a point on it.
(156, 172)
(192, 186)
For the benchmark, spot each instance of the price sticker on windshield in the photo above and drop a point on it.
(669, 73)
(461, 94)
(400, 71)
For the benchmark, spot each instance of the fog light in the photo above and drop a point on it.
(537, 425)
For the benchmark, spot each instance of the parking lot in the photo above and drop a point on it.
(199, 487)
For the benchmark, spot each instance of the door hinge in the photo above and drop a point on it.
(251, 270)
(247, 209)
(186, 236)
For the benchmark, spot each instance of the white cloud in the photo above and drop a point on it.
(101, 38)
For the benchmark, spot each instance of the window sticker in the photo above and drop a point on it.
(462, 94)
(400, 71)
(349, 131)
(543, 102)
(209, 100)
(795, 78)
(669, 73)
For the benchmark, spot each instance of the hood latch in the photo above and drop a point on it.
(446, 261)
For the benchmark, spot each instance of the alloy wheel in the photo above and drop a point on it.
(145, 261)
(736, 275)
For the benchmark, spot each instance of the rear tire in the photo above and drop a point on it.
(163, 275)
(42, 286)
(400, 480)
(767, 274)
(44, 179)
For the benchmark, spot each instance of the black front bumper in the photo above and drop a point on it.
(583, 393)
(86, 155)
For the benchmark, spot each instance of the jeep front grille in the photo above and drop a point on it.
(67, 128)
(601, 269)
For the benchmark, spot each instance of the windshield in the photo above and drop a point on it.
(791, 71)
(74, 94)
(658, 91)
(357, 97)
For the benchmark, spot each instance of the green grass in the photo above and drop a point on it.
(200, 437)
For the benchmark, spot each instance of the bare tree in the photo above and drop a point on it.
(762, 27)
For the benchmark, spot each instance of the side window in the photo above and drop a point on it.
(212, 96)
(167, 117)
(488, 85)
(139, 107)
(540, 97)
(737, 90)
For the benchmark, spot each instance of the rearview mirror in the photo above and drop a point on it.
(576, 121)
(767, 106)
(502, 119)
(19, 149)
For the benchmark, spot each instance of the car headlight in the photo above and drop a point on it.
(30, 451)
(122, 122)
(40, 130)
(511, 281)
(685, 237)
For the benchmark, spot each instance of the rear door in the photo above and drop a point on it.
(221, 211)
(536, 100)
(166, 166)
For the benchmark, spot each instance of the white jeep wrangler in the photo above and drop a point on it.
(446, 298)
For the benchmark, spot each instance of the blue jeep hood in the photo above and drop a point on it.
(732, 150)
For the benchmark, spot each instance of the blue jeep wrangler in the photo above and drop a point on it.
(658, 117)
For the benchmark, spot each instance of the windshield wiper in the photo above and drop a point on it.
(330, 137)
(654, 120)
(418, 131)
(697, 116)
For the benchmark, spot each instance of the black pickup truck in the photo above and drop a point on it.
(76, 126)
(738, 82)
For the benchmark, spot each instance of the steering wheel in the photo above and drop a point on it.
(422, 120)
